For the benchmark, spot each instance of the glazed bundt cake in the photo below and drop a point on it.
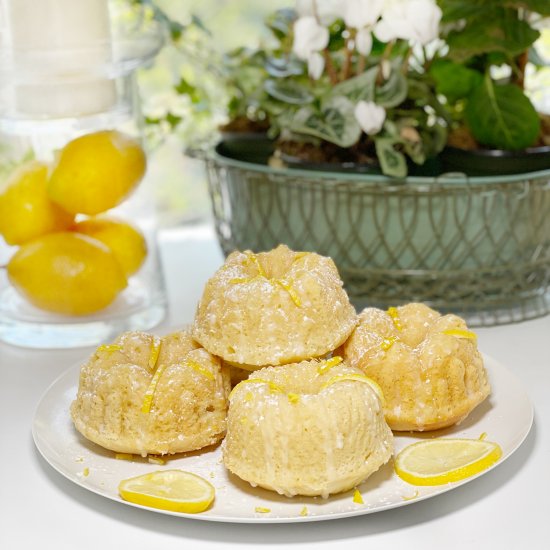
(311, 428)
(427, 365)
(273, 308)
(149, 395)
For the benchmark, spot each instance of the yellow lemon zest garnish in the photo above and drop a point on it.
(357, 497)
(293, 398)
(252, 258)
(291, 292)
(124, 456)
(154, 353)
(303, 511)
(150, 393)
(262, 510)
(394, 314)
(156, 460)
(358, 378)
(411, 497)
(79, 459)
(86, 472)
(328, 364)
(387, 343)
(249, 396)
(460, 333)
(482, 436)
(109, 348)
(272, 386)
(199, 368)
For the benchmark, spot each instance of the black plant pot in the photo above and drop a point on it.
(488, 162)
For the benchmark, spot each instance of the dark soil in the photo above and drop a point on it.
(362, 152)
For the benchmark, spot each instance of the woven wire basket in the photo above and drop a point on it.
(479, 247)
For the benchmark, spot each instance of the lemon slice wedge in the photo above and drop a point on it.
(440, 461)
(173, 490)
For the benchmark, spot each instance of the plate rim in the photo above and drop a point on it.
(73, 371)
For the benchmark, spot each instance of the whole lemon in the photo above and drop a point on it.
(66, 273)
(26, 212)
(96, 172)
(124, 240)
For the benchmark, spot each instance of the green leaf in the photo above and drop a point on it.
(335, 122)
(454, 80)
(394, 90)
(502, 116)
(392, 162)
(500, 30)
(288, 91)
(280, 22)
(281, 67)
(358, 88)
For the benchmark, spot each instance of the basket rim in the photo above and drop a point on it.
(449, 178)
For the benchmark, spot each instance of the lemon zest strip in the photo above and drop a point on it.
(199, 368)
(124, 456)
(86, 472)
(109, 348)
(357, 497)
(293, 398)
(394, 314)
(150, 392)
(254, 259)
(303, 511)
(387, 343)
(291, 292)
(460, 333)
(154, 353)
(329, 364)
(262, 510)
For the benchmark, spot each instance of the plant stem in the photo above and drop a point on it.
(387, 52)
(330, 67)
(346, 65)
(361, 64)
(521, 62)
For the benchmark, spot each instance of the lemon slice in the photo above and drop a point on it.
(440, 461)
(173, 490)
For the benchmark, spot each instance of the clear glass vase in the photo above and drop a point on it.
(53, 90)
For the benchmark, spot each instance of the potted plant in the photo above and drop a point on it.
(344, 89)
(495, 127)
(347, 103)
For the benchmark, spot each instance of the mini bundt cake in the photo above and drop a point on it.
(273, 308)
(150, 395)
(427, 365)
(310, 428)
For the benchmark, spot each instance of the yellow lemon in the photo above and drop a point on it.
(440, 461)
(66, 273)
(126, 242)
(173, 490)
(26, 211)
(96, 172)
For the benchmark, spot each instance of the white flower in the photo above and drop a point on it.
(315, 65)
(415, 20)
(309, 37)
(363, 41)
(370, 117)
(327, 11)
(362, 13)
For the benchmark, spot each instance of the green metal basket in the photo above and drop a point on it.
(479, 246)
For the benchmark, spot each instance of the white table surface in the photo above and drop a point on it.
(506, 509)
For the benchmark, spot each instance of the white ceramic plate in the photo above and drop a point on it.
(506, 418)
